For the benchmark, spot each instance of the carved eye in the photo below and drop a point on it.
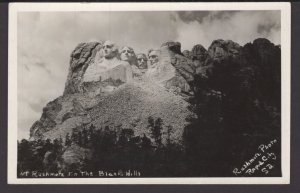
(142, 59)
(108, 46)
(127, 51)
(153, 56)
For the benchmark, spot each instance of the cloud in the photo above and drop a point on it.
(46, 40)
(239, 26)
(190, 16)
(43, 66)
(37, 106)
(26, 117)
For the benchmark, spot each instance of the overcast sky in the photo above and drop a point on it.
(46, 39)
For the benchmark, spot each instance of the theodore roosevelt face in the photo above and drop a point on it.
(142, 61)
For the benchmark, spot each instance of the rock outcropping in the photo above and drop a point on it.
(118, 104)
(214, 106)
(129, 104)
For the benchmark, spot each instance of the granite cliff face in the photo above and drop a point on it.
(119, 104)
(129, 104)
(81, 57)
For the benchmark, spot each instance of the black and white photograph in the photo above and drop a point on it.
(192, 93)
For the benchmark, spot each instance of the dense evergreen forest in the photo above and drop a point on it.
(110, 152)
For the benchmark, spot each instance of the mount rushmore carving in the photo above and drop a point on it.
(113, 86)
(116, 87)
(108, 62)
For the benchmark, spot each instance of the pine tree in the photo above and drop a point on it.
(56, 146)
(156, 129)
(91, 134)
(74, 136)
(169, 132)
(60, 140)
(146, 142)
(80, 138)
(84, 137)
(68, 141)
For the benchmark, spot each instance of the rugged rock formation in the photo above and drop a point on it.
(222, 102)
(116, 104)
(81, 57)
(180, 69)
(186, 53)
(198, 53)
(129, 105)
(220, 50)
(173, 46)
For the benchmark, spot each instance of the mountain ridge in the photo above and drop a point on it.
(73, 109)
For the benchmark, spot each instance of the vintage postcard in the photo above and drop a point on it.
(149, 93)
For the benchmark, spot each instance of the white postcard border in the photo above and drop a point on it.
(285, 9)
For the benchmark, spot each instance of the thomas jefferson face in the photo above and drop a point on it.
(153, 56)
(127, 54)
(109, 50)
(142, 61)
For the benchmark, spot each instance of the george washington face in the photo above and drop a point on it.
(109, 50)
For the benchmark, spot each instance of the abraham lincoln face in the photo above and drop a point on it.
(142, 61)
(153, 56)
(127, 54)
(109, 50)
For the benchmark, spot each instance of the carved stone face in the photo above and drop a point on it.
(153, 56)
(142, 61)
(127, 54)
(109, 50)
